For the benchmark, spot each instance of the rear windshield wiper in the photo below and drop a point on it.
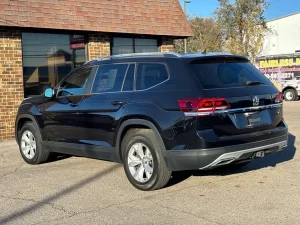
(252, 83)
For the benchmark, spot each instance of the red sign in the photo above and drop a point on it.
(77, 45)
(77, 41)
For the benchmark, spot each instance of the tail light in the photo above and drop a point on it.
(279, 97)
(205, 105)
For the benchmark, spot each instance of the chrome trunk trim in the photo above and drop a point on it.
(237, 110)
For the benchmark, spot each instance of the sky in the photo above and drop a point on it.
(277, 8)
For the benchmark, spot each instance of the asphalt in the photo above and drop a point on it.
(74, 190)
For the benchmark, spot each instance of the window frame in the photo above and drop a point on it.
(88, 87)
(135, 74)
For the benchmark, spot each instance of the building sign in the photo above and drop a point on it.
(281, 69)
(77, 41)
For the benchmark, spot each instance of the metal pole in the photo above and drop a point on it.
(185, 16)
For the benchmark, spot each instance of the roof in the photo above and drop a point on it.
(279, 56)
(149, 17)
(278, 18)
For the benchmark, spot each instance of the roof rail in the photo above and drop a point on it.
(158, 54)
(205, 54)
(145, 54)
(92, 60)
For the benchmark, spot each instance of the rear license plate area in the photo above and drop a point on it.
(253, 119)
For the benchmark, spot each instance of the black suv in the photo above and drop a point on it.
(156, 113)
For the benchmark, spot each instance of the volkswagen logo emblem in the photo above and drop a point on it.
(255, 101)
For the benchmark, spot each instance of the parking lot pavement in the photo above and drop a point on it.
(74, 190)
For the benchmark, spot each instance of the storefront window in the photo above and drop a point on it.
(47, 58)
(133, 45)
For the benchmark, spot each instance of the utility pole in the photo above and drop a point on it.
(184, 6)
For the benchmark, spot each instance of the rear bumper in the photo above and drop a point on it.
(213, 157)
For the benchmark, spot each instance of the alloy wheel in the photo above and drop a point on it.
(28, 144)
(140, 162)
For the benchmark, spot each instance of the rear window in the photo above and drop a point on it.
(226, 74)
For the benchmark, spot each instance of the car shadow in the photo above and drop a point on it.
(53, 157)
(271, 160)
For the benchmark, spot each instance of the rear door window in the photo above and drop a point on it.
(150, 75)
(109, 78)
(226, 73)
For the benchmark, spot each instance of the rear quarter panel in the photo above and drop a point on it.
(159, 105)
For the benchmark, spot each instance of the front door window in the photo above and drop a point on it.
(76, 84)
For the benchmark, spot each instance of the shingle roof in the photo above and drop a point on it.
(153, 17)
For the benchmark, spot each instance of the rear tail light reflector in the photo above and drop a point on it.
(207, 105)
(279, 97)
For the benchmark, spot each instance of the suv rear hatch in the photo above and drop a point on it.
(238, 98)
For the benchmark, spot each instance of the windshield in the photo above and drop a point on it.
(226, 74)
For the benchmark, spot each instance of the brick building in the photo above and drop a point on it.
(42, 41)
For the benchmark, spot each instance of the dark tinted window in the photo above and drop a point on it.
(225, 74)
(128, 82)
(133, 45)
(76, 83)
(150, 74)
(109, 78)
(48, 58)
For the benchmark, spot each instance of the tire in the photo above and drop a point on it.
(144, 140)
(290, 95)
(30, 145)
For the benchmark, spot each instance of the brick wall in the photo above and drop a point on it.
(98, 45)
(11, 80)
(167, 45)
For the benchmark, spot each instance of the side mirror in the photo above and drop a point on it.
(48, 93)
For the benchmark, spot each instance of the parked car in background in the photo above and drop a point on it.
(156, 113)
(284, 72)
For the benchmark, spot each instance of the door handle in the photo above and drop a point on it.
(118, 103)
(74, 104)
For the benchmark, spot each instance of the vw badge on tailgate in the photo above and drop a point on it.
(255, 101)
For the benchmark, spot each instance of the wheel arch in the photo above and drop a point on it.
(138, 123)
(288, 87)
(21, 120)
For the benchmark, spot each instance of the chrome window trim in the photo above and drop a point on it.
(125, 76)
(134, 81)
(237, 110)
(132, 63)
